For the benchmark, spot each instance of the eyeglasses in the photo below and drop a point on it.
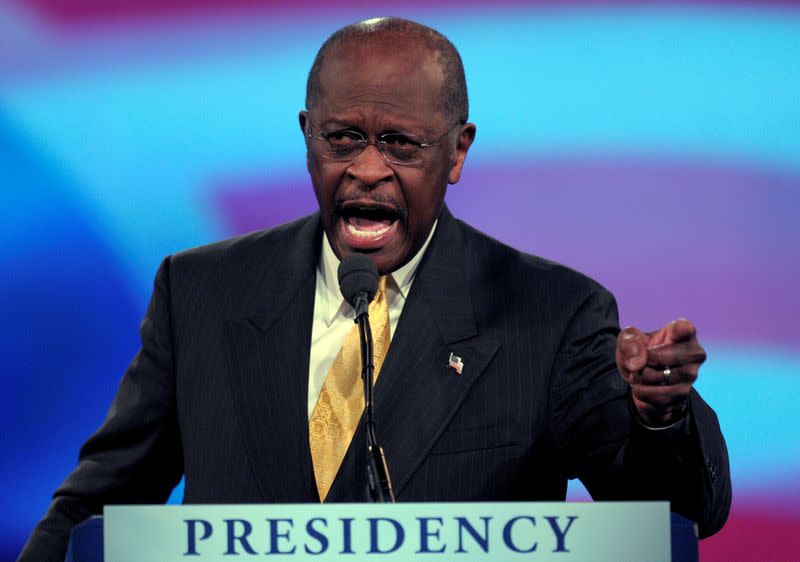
(403, 149)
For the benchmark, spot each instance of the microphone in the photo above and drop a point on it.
(358, 282)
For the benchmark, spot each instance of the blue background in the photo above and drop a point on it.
(655, 147)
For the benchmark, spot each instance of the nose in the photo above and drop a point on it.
(370, 168)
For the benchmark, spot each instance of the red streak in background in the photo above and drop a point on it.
(751, 535)
(78, 12)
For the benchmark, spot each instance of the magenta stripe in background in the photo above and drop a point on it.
(709, 242)
(72, 12)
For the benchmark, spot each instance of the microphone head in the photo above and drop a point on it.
(357, 274)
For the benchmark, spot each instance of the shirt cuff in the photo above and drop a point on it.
(681, 425)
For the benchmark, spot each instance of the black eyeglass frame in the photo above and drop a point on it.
(380, 143)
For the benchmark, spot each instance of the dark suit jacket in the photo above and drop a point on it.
(218, 391)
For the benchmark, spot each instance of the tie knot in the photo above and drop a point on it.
(382, 281)
(380, 301)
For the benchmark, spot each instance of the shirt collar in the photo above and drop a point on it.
(334, 302)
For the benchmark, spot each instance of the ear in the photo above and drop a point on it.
(303, 121)
(303, 118)
(465, 137)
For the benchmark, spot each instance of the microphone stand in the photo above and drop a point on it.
(379, 483)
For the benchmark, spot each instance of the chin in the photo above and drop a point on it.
(390, 263)
(386, 262)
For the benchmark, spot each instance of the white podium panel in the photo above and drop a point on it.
(463, 532)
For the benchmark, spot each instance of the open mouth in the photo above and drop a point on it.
(368, 226)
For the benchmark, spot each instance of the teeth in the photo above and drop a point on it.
(352, 229)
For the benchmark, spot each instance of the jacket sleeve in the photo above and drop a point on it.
(601, 442)
(135, 456)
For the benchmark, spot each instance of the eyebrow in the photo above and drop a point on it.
(336, 124)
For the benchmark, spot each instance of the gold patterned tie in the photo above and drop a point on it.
(341, 400)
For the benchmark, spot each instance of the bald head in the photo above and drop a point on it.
(400, 34)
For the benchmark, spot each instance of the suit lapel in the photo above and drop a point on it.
(268, 365)
(417, 393)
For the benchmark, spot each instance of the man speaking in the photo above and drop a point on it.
(499, 375)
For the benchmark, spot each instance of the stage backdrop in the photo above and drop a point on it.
(654, 146)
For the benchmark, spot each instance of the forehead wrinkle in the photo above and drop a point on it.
(379, 123)
(384, 112)
(380, 92)
(375, 115)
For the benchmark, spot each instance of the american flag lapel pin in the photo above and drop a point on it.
(455, 363)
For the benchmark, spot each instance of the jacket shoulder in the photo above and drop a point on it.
(233, 274)
(282, 237)
(509, 267)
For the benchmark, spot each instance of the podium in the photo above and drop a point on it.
(403, 531)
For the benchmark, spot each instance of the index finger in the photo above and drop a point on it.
(681, 330)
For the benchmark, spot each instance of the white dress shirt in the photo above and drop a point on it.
(333, 316)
